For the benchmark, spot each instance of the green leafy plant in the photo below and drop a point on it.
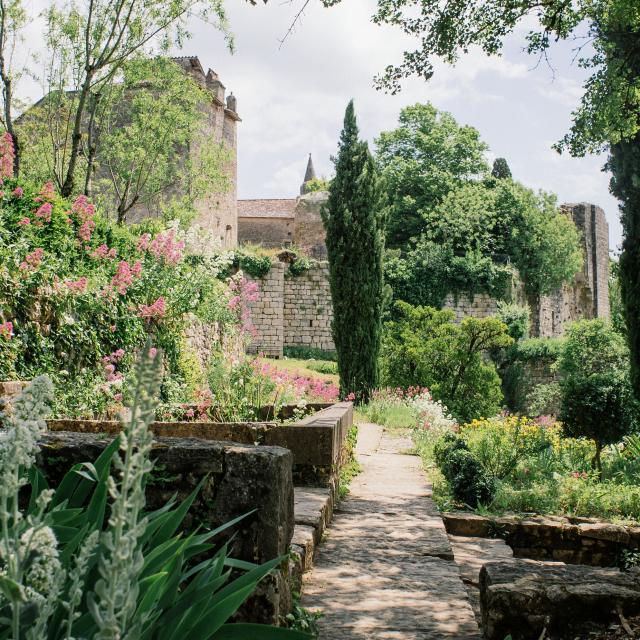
(424, 347)
(597, 397)
(87, 560)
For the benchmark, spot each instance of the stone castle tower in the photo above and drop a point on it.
(218, 212)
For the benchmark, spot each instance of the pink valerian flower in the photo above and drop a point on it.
(164, 247)
(155, 310)
(32, 260)
(124, 276)
(580, 474)
(77, 286)
(24, 222)
(350, 397)
(18, 192)
(143, 242)
(113, 328)
(118, 397)
(44, 212)
(48, 191)
(6, 330)
(7, 155)
(245, 292)
(189, 413)
(104, 253)
(84, 210)
(153, 352)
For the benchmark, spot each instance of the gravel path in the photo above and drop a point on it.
(386, 570)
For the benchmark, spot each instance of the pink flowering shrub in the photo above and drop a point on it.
(298, 387)
(153, 311)
(6, 330)
(7, 155)
(243, 293)
(77, 286)
(32, 260)
(164, 247)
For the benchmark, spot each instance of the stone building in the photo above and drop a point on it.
(286, 222)
(218, 212)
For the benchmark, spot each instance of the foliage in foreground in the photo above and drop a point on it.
(354, 220)
(87, 560)
(423, 347)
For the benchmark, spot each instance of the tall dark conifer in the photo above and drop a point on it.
(354, 222)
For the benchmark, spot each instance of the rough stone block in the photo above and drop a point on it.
(523, 597)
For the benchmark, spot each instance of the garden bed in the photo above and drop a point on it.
(236, 479)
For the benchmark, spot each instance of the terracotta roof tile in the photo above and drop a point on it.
(274, 208)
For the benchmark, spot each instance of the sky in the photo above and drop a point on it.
(292, 96)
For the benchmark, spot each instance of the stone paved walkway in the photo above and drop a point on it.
(386, 570)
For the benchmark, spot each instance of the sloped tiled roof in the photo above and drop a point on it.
(273, 208)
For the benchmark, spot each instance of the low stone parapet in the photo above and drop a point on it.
(316, 442)
(237, 479)
(571, 540)
(522, 598)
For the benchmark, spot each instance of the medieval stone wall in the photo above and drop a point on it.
(272, 233)
(307, 309)
(292, 311)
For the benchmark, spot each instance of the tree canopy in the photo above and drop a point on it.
(428, 155)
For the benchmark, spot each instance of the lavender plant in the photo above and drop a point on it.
(69, 572)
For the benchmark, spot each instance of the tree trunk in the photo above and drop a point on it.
(596, 463)
(92, 144)
(76, 138)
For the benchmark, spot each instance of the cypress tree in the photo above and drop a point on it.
(501, 169)
(354, 220)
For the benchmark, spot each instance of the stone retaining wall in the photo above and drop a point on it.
(571, 540)
(316, 442)
(237, 480)
(292, 311)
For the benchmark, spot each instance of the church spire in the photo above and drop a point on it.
(310, 174)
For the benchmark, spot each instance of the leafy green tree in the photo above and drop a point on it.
(597, 399)
(148, 118)
(616, 309)
(424, 159)
(354, 219)
(87, 45)
(429, 271)
(424, 347)
(501, 169)
(608, 116)
(13, 19)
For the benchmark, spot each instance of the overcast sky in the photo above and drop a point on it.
(291, 98)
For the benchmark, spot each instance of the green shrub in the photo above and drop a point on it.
(323, 366)
(309, 353)
(597, 397)
(443, 449)
(516, 317)
(544, 400)
(538, 349)
(424, 347)
(470, 483)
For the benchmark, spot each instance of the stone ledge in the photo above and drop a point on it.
(522, 597)
(571, 540)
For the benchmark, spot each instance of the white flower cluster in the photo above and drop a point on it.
(432, 415)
